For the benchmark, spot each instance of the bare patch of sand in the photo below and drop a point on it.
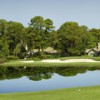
(60, 61)
(54, 60)
(30, 61)
(69, 60)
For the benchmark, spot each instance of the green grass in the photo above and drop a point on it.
(80, 57)
(17, 63)
(85, 93)
(47, 64)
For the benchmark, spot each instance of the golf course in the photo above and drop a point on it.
(80, 93)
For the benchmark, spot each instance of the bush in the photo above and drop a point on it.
(12, 58)
(2, 60)
(36, 59)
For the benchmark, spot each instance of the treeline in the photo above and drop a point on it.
(69, 40)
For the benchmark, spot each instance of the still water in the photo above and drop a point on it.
(37, 79)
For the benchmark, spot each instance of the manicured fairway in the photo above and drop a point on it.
(82, 93)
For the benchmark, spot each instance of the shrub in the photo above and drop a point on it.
(12, 58)
(2, 60)
(36, 59)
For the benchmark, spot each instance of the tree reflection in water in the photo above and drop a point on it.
(39, 73)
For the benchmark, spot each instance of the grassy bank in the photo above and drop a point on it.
(17, 63)
(81, 57)
(82, 93)
(48, 64)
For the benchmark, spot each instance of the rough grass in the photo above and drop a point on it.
(81, 93)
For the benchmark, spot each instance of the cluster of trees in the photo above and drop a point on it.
(69, 40)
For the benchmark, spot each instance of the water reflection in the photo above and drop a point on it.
(39, 73)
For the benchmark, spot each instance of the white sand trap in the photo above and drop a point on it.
(30, 61)
(62, 61)
(51, 60)
(69, 60)
(80, 60)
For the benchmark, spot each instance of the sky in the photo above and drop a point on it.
(84, 12)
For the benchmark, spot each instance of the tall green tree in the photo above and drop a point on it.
(37, 26)
(95, 36)
(85, 38)
(17, 34)
(40, 30)
(69, 35)
(4, 42)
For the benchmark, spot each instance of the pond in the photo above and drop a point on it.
(27, 79)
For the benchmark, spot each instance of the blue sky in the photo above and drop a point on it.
(85, 12)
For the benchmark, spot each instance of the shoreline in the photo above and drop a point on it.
(77, 93)
(53, 63)
(62, 61)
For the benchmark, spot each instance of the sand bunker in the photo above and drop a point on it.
(69, 60)
(62, 61)
(30, 61)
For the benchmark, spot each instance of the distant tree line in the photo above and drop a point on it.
(69, 40)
